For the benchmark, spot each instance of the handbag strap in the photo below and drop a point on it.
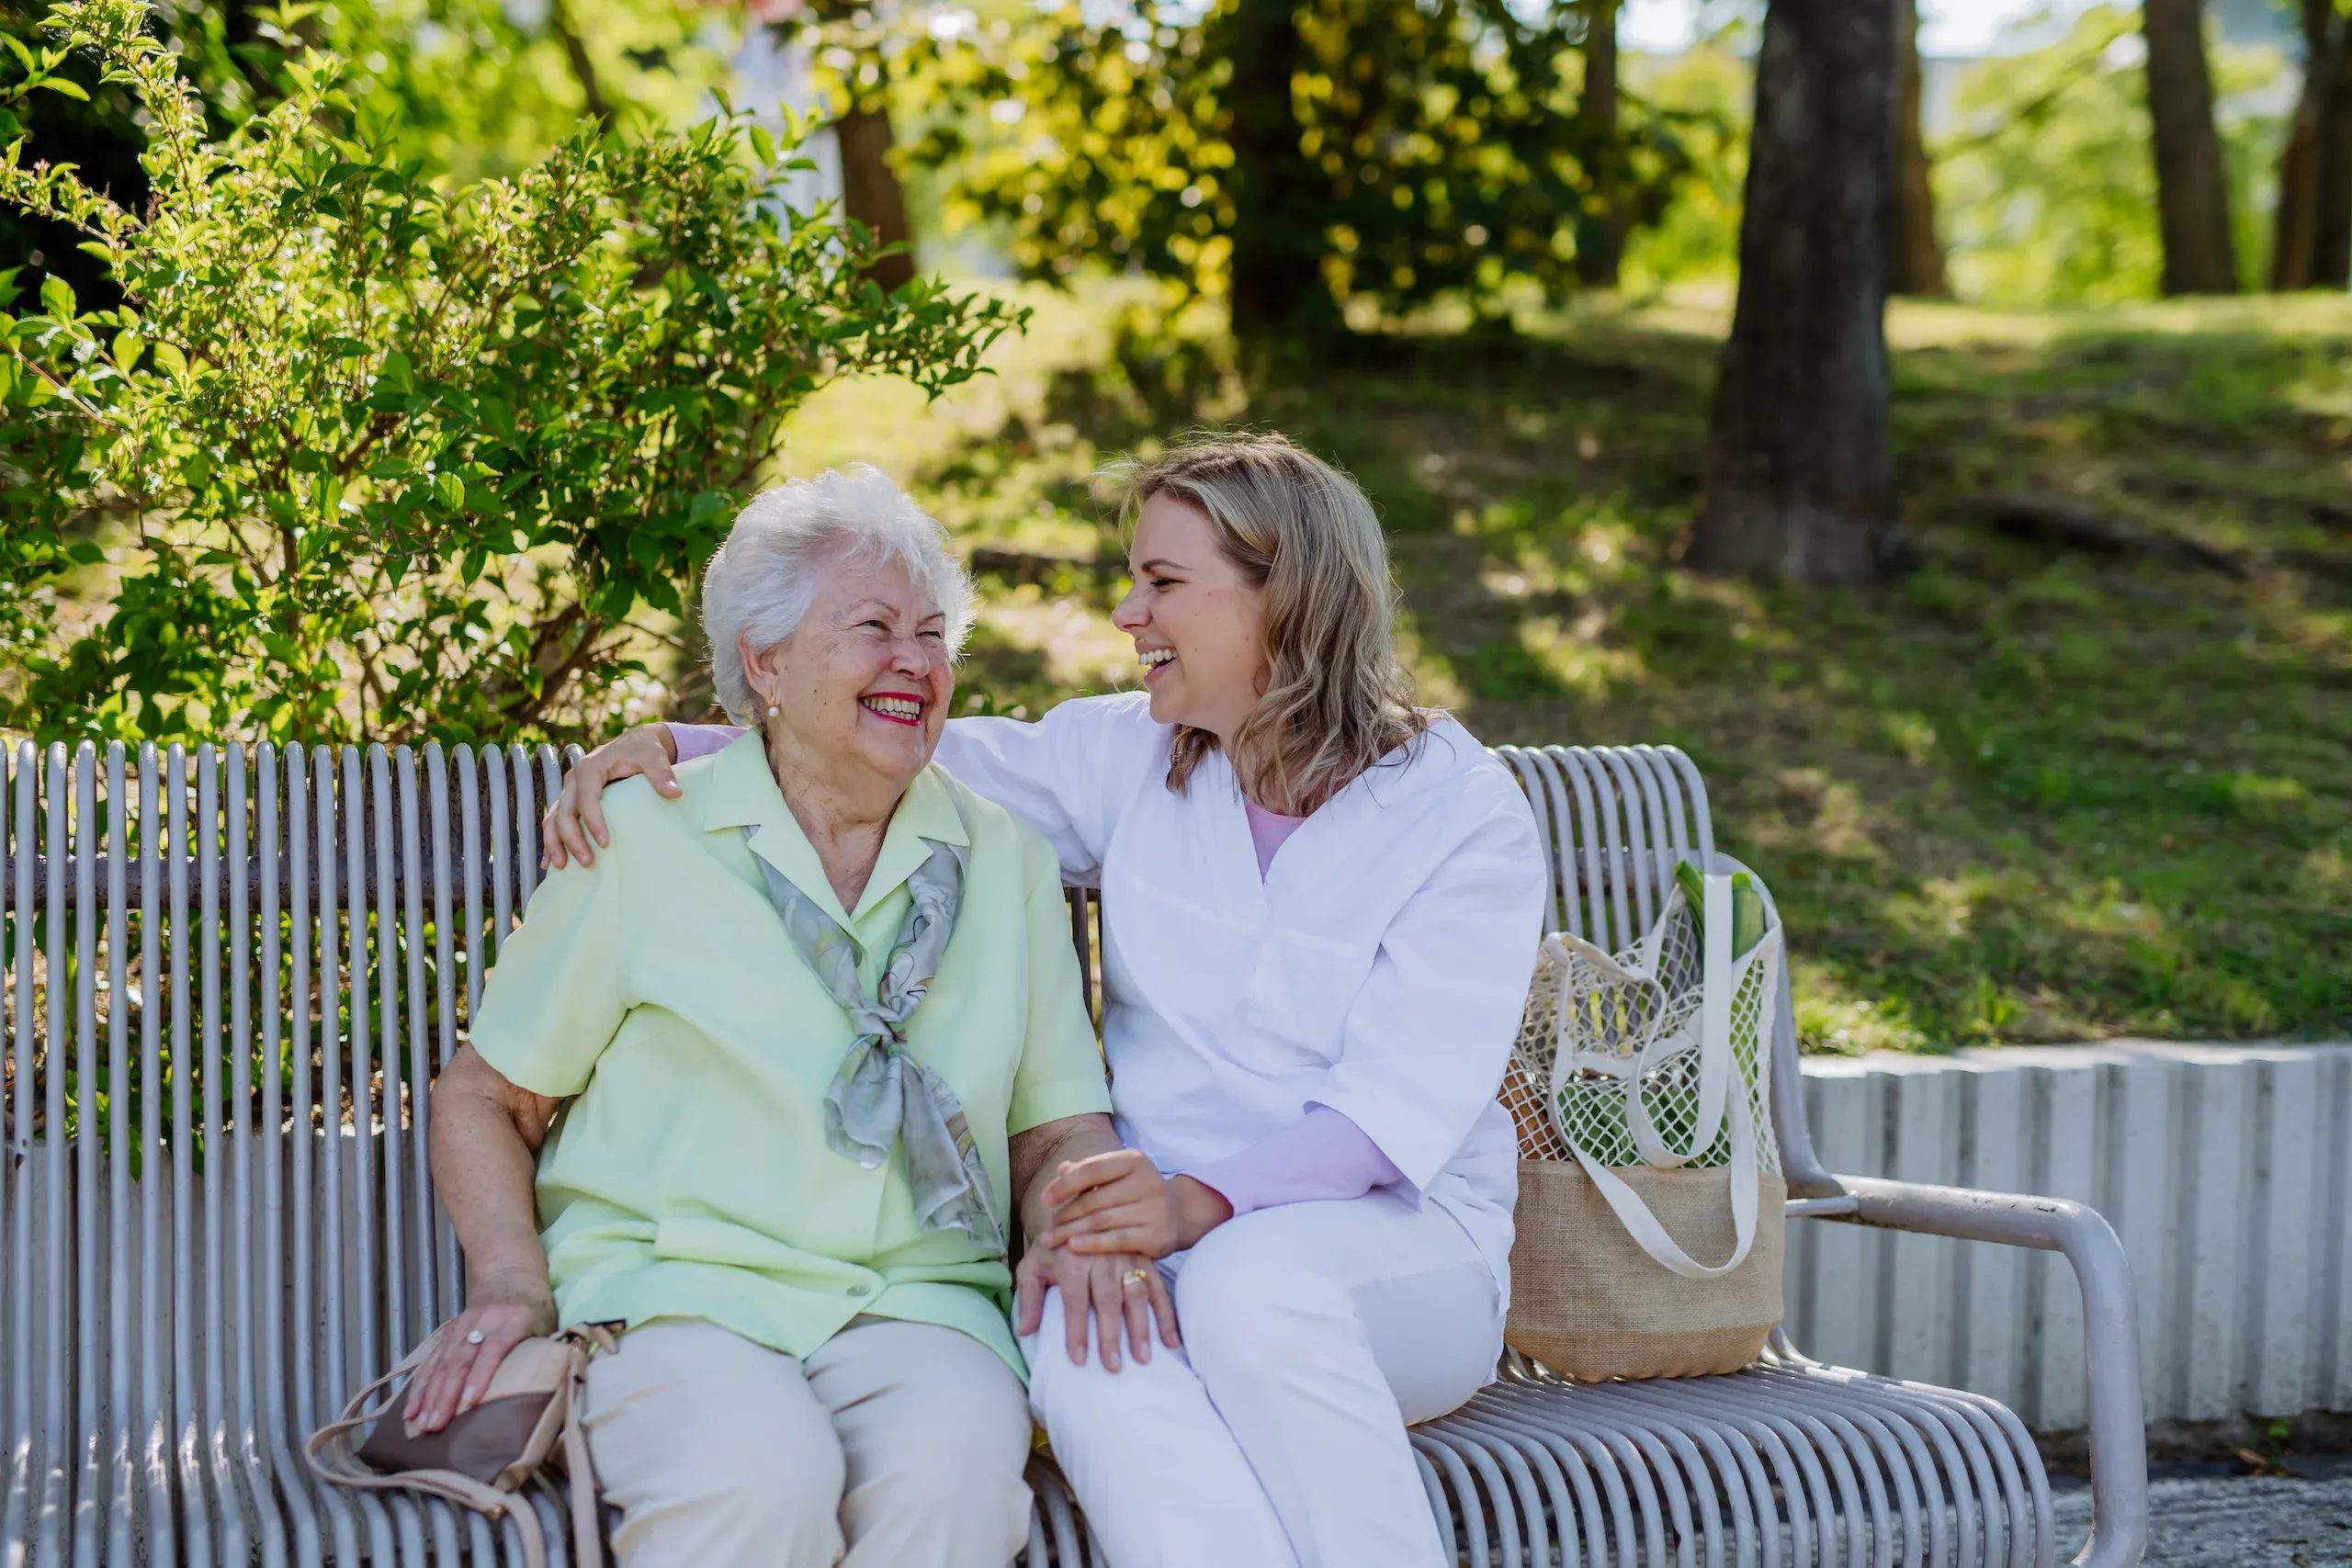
(329, 1452)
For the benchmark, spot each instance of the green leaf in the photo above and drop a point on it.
(65, 86)
(57, 298)
(452, 488)
(86, 552)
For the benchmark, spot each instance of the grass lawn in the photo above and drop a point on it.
(2028, 791)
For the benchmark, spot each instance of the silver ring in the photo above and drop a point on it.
(475, 1337)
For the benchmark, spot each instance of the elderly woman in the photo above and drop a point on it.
(805, 1029)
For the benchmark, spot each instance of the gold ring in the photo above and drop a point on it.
(1134, 1277)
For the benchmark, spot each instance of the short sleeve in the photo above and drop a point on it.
(1066, 776)
(1428, 1037)
(554, 1001)
(1060, 1072)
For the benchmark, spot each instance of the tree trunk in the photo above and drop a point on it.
(584, 70)
(2311, 236)
(2294, 230)
(870, 191)
(1600, 240)
(1915, 261)
(2332, 228)
(2192, 191)
(1800, 483)
(1278, 291)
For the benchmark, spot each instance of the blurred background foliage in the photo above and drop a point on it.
(2045, 183)
(2051, 778)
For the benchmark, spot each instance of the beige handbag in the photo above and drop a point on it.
(1640, 1087)
(484, 1457)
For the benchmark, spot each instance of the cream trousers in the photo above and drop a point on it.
(895, 1445)
(1313, 1334)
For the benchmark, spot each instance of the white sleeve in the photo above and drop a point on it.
(1428, 1037)
(1067, 775)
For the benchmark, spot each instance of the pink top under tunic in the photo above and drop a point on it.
(1323, 1157)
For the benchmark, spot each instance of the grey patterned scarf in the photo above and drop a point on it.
(882, 1094)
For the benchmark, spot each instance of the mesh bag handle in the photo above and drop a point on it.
(1626, 1022)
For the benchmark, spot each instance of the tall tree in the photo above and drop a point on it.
(1600, 239)
(870, 189)
(2312, 237)
(2192, 190)
(1800, 481)
(1914, 261)
(1278, 291)
(851, 37)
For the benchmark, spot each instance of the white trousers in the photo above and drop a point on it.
(1313, 1333)
(894, 1445)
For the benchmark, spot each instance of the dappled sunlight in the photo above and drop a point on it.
(2024, 792)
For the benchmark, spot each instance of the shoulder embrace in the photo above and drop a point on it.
(634, 811)
(998, 832)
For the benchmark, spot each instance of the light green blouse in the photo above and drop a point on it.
(657, 992)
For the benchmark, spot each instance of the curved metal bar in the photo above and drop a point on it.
(1701, 819)
(1465, 1493)
(1601, 1500)
(120, 1478)
(1541, 784)
(1622, 931)
(1740, 1448)
(1540, 1479)
(1601, 934)
(2110, 1330)
(1669, 783)
(1643, 1464)
(284, 1475)
(1637, 797)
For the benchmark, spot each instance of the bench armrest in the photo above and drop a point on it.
(2119, 1435)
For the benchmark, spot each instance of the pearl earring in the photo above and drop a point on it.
(773, 710)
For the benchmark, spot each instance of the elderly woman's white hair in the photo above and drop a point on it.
(765, 576)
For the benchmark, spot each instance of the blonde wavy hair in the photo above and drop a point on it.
(1337, 701)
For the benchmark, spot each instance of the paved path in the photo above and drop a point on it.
(2207, 1516)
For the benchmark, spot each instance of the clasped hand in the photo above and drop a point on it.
(1119, 1203)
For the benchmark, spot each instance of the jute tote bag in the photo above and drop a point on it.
(1640, 1086)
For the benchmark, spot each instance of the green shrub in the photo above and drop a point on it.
(365, 455)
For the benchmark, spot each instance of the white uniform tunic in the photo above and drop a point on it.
(1379, 967)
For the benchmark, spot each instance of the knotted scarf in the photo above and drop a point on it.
(882, 1094)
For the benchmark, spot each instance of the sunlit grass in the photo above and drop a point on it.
(2020, 794)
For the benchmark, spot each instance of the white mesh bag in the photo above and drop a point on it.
(1658, 1056)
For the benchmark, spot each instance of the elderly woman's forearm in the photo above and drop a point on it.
(1037, 1153)
(484, 1168)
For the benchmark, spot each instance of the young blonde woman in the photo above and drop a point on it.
(1322, 910)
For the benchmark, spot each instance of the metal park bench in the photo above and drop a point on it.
(229, 980)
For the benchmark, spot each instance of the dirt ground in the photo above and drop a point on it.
(2209, 1517)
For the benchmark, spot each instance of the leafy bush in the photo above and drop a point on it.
(364, 456)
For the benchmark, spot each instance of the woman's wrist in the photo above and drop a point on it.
(1200, 1209)
(515, 1286)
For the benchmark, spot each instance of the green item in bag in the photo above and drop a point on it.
(1747, 906)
